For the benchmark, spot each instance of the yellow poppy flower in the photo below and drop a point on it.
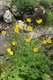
(16, 29)
(3, 32)
(28, 40)
(29, 28)
(19, 21)
(39, 21)
(35, 49)
(14, 43)
(11, 52)
(44, 42)
(28, 20)
(49, 41)
(8, 50)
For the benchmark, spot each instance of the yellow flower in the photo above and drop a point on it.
(46, 75)
(35, 49)
(28, 40)
(16, 29)
(29, 28)
(44, 42)
(8, 50)
(11, 52)
(28, 20)
(19, 21)
(39, 21)
(14, 43)
(49, 40)
(3, 32)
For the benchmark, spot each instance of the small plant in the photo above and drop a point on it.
(49, 18)
(23, 5)
(28, 62)
(44, 3)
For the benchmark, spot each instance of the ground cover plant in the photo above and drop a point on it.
(26, 48)
(27, 62)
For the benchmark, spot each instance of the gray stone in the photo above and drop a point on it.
(7, 2)
(50, 30)
(40, 9)
(2, 8)
(34, 34)
(7, 16)
(14, 10)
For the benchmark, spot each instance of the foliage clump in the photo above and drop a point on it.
(26, 64)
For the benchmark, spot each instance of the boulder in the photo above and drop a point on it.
(40, 13)
(34, 34)
(7, 3)
(2, 9)
(8, 16)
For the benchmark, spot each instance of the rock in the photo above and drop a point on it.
(50, 30)
(7, 3)
(14, 10)
(40, 9)
(33, 34)
(2, 9)
(42, 33)
(7, 16)
(16, 13)
(40, 13)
